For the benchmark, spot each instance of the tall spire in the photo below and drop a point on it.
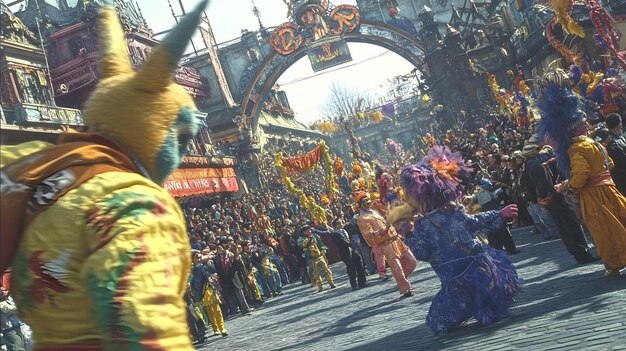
(257, 14)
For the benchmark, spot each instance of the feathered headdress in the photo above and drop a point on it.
(561, 115)
(436, 181)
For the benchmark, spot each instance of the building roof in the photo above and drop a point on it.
(267, 120)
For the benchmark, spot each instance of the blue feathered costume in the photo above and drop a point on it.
(476, 280)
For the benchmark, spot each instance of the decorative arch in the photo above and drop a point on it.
(274, 65)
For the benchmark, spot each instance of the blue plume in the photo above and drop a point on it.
(560, 109)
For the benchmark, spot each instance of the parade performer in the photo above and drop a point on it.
(99, 250)
(586, 166)
(382, 235)
(359, 186)
(315, 251)
(476, 280)
(203, 289)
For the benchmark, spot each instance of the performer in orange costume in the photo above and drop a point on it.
(379, 234)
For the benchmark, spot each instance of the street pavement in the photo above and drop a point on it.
(564, 306)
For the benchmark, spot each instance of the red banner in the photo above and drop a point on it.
(198, 181)
(303, 162)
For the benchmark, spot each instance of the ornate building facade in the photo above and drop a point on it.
(35, 81)
(28, 108)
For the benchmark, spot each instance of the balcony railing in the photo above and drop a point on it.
(32, 114)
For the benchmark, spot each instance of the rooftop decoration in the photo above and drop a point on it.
(13, 29)
(312, 23)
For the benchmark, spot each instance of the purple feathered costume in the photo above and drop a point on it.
(476, 280)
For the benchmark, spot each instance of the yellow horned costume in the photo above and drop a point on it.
(99, 249)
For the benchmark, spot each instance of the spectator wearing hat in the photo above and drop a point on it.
(378, 233)
(540, 191)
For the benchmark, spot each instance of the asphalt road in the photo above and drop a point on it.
(564, 306)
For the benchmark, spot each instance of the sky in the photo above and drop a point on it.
(371, 66)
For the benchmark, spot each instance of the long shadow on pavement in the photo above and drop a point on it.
(343, 325)
(585, 297)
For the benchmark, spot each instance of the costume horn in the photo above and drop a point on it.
(113, 48)
(157, 72)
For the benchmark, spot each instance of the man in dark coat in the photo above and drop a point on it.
(564, 216)
(360, 246)
(231, 286)
(351, 258)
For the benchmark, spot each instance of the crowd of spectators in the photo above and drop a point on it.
(250, 245)
(250, 242)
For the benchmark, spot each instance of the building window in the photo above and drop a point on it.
(76, 46)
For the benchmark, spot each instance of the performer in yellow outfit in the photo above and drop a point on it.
(315, 251)
(99, 249)
(586, 164)
(602, 207)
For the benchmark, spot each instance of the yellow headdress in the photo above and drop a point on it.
(145, 112)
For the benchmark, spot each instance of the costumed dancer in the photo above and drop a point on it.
(315, 251)
(586, 166)
(103, 260)
(476, 280)
(382, 235)
(205, 292)
(359, 186)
